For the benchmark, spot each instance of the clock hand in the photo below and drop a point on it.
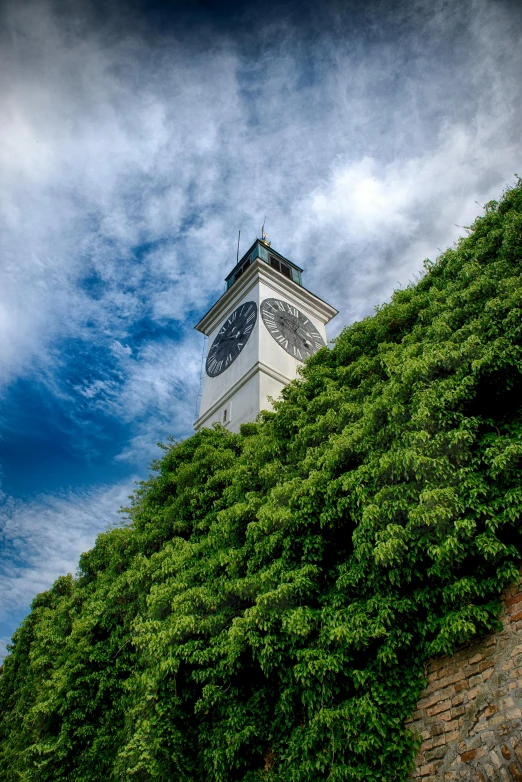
(229, 339)
(232, 336)
(306, 339)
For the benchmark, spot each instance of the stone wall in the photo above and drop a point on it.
(470, 714)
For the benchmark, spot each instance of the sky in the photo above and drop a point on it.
(137, 139)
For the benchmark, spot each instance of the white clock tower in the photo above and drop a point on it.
(260, 331)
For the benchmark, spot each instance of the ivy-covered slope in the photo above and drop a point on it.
(266, 612)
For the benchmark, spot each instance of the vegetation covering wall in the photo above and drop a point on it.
(267, 611)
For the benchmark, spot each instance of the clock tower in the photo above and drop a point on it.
(260, 331)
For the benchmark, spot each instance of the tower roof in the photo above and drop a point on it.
(262, 271)
(261, 249)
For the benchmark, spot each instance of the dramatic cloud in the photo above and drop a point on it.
(43, 538)
(133, 148)
(129, 163)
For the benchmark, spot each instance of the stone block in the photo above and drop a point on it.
(436, 741)
(457, 711)
(453, 724)
(503, 644)
(516, 774)
(436, 728)
(428, 768)
(475, 681)
(437, 664)
(489, 738)
(462, 685)
(480, 726)
(425, 703)
(453, 736)
(438, 708)
(451, 678)
(436, 753)
(457, 699)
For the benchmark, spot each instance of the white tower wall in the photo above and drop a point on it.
(263, 367)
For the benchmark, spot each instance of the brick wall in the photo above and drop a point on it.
(470, 714)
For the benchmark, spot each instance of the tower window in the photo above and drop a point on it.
(225, 415)
(280, 266)
(243, 269)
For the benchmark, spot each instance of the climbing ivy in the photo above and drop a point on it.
(268, 608)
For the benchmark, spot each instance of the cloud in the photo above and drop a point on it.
(399, 212)
(131, 154)
(159, 395)
(98, 161)
(42, 538)
(131, 160)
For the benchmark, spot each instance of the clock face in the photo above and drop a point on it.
(232, 338)
(291, 329)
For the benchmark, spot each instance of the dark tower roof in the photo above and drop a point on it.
(261, 249)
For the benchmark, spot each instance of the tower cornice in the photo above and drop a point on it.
(260, 271)
(259, 366)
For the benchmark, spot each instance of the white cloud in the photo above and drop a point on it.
(97, 159)
(363, 160)
(159, 395)
(399, 212)
(42, 538)
(130, 158)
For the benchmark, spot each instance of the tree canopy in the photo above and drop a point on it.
(266, 611)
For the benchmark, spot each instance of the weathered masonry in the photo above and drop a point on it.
(470, 714)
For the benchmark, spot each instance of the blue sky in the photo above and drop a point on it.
(136, 140)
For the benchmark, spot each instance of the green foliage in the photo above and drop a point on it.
(267, 612)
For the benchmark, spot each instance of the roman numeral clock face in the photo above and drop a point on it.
(291, 329)
(232, 338)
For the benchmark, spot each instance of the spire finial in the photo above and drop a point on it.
(264, 237)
